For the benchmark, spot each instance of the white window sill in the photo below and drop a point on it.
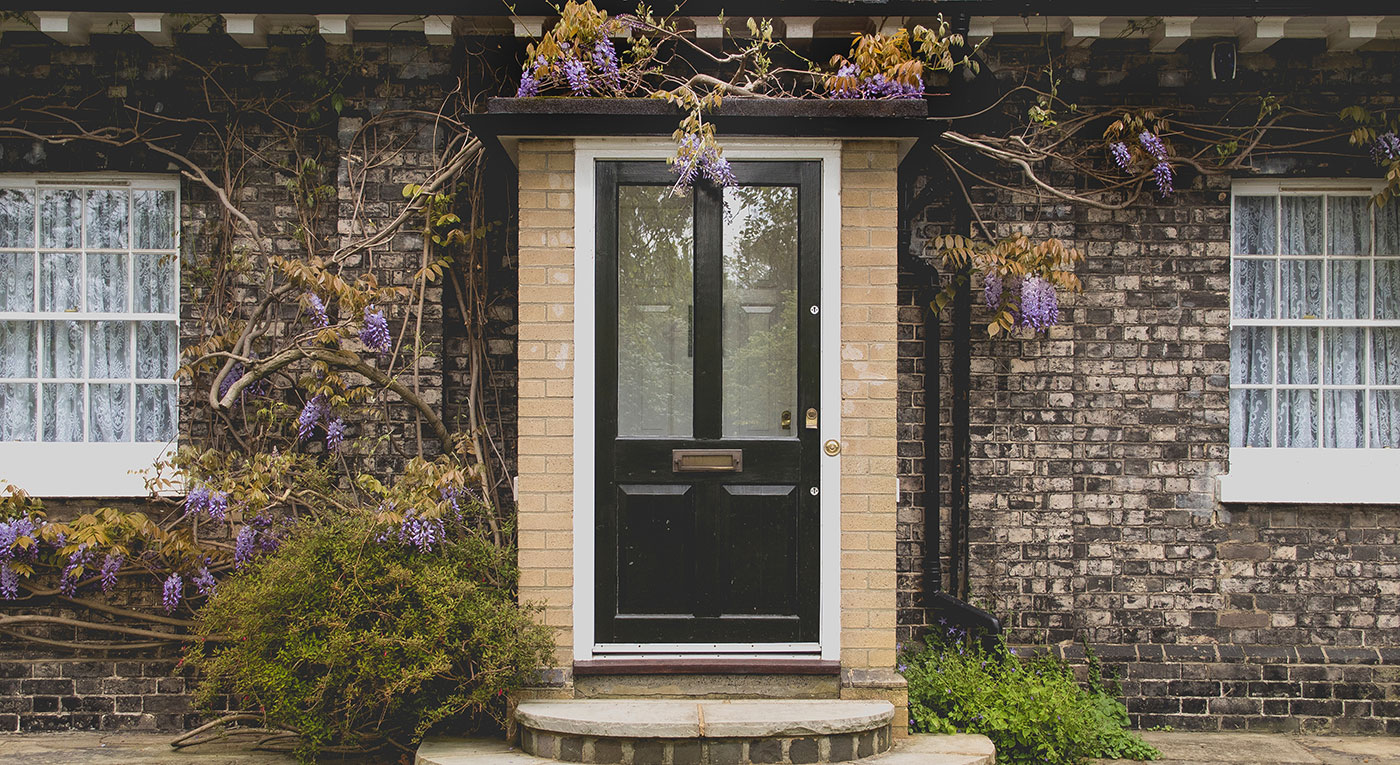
(1317, 476)
(80, 470)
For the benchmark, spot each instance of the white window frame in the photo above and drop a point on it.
(90, 468)
(1331, 475)
(587, 152)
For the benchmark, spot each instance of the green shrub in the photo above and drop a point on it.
(1033, 710)
(353, 639)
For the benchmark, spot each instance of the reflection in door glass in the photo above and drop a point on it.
(655, 312)
(760, 311)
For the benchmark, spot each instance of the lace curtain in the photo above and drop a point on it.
(1331, 274)
(98, 376)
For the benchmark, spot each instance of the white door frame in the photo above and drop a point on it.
(587, 152)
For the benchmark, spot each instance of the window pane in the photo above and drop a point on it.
(1388, 289)
(1250, 424)
(1300, 225)
(62, 342)
(16, 218)
(17, 412)
(110, 349)
(1343, 427)
(155, 283)
(110, 411)
(1297, 356)
(60, 218)
(17, 353)
(1385, 419)
(153, 219)
(1349, 225)
(1300, 288)
(760, 310)
(655, 296)
(1388, 228)
(106, 219)
(16, 281)
(1349, 289)
(1256, 225)
(156, 413)
(1346, 355)
(106, 282)
(1385, 356)
(1297, 419)
(60, 282)
(157, 346)
(63, 412)
(1251, 355)
(1254, 289)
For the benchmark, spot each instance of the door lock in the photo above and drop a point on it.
(811, 420)
(786, 419)
(832, 447)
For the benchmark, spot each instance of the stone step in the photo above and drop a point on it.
(704, 732)
(962, 749)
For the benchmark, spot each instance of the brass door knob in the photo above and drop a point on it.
(832, 447)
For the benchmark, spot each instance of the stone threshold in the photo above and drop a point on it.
(961, 749)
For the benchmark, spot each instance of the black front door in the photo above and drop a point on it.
(708, 330)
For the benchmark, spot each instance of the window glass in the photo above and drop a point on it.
(1315, 313)
(89, 334)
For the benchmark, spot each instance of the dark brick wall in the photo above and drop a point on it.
(49, 688)
(1095, 447)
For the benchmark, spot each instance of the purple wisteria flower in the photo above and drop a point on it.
(234, 375)
(1153, 144)
(529, 85)
(577, 75)
(311, 415)
(875, 86)
(375, 335)
(196, 500)
(1386, 147)
(204, 581)
(335, 434)
(111, 566)
(9, 581)
(605, 58)
(414, 531)
(1040, 306)
(1162, 174)
(1121, 156)
(317, 309)
(171, 593)
(695, 158)
(80, 558)
(991, 289)
(244, 546)
(11, 531)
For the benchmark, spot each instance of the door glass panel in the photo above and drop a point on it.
(656, 307)
(760, 311)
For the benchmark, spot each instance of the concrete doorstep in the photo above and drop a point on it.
(916, 750)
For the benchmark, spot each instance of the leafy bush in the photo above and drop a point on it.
(1033, 710)
(351, 635)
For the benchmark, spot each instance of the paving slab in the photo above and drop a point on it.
(1187, 748)
(95, 748)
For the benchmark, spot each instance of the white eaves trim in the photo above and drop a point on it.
(1312, 476)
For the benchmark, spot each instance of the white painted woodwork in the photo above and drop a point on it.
(889, 25)
(246, 29)
(67, 28)
(529, 26)
(1171, 33)
(1083, 30)
(335, 28)
(708, 28)
(1351, 32)
(1258, 34)
(153, 27)
(800, 27)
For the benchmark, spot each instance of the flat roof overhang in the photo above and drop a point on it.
(507, 120)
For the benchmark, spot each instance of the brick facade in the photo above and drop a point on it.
(1095, 447)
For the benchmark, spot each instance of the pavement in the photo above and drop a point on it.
(1178, 748)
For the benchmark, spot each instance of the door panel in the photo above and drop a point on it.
(707, 340)
(656, 555)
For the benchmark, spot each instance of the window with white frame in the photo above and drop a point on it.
(1315, 333)
(89, 333)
